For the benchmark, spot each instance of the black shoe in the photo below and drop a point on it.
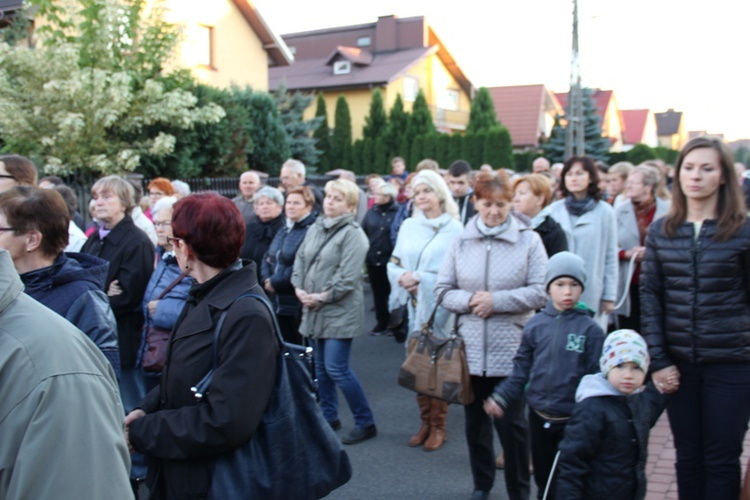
(359, 434)
(335, 425)
(480, 495)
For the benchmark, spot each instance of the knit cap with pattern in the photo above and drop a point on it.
(622, 346)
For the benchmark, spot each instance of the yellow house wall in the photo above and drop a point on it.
(238, 54)
(359, 108)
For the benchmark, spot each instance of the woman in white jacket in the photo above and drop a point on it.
(493, 278)
(415, 262)
(591, 229)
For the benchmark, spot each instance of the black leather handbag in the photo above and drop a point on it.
(294, 453)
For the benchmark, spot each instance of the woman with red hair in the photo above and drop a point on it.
(157, 189)
(182, 436)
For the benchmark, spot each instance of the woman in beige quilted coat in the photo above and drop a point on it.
(493, 276)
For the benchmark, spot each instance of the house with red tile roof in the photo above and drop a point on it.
(397, 55)
(639, 127)
(528, 111)
(670, 128)
(609, 113)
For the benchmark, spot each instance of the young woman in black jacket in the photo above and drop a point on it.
(695, 316)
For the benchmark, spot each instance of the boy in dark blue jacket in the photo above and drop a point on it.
(560, 345)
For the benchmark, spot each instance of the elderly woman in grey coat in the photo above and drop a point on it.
(327, 278)
(493, 278)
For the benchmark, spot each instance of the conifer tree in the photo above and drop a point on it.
(398, 121)
(498, 148)
(376, 122)
(341, 141)
(292, 106)
(482, 115)
(322, 135)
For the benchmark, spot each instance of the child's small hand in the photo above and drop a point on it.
(493, 409)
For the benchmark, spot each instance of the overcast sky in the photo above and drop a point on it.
(693, 56)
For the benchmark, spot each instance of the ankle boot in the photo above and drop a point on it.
(437, 425)
(425, 407)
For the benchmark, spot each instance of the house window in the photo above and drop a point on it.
(342, 67)
(364, 41)
(411, 88)
(204, 45)
(448, 99)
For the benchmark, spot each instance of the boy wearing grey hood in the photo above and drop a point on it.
(603, 455)
(560, 345)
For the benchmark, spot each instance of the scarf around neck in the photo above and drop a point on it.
(492, 231)
(579, 207)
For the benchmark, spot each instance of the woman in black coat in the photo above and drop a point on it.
(183, 436)
(695, 316)
(531, 195)
(268, 203)
(377, 226)
(131, 261)
(278, 263)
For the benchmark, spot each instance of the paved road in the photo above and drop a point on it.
(385, 467)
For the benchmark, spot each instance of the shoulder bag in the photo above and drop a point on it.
(294, 453)
(157, 338)
(437, 367)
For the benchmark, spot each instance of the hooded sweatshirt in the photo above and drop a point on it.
(73, 287)
(557, 349)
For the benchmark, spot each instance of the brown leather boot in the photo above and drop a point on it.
(425, 406)
(437, 425)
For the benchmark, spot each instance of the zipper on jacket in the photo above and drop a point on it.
(553, 349)
(695, 249)
(486, 288)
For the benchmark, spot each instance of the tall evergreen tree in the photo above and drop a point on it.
(322, 135)
(368, 153)
(554, 148)
(416, 152)
(269, 139)
(473, 148)
(597, 146)
(398, 121)
(299, 131)
(498, 148)
(455, 152)
(482, 115)
(376, 122)
(341, 141)
(420, 121)
(380, 160)
(357, 163)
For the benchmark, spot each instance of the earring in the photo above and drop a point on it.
(187, 266)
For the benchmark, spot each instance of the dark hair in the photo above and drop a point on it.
(34, 209)
(731, 204)
(459, 168)
(305, 193)
(487, 184)
(52, 179)
(21, 168)
(69, 197)
(589, 166)
(212, 226)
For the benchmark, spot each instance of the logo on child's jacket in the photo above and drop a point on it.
(575, 342)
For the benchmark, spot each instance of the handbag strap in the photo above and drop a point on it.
(431, 321)
(320, 249)
(170, 286)
(200, 389)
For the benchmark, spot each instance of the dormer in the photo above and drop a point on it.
(344, 59)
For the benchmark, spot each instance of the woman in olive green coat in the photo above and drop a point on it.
(327, 278)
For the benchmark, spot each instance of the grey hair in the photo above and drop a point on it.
(650, 175)
(164, 202)
(271, 193)
(183, 188)
(295, 166)
(388, 189)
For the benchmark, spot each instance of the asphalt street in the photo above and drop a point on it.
(385, 467)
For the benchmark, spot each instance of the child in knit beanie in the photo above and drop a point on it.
(603, 454)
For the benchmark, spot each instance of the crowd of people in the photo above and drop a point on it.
(589, 298)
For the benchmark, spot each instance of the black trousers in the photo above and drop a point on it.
(289, 325)
(632, 322)
(513, 432)
(544, 444)
(381, 289)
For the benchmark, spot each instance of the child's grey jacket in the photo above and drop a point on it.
(603, 454)
(557, 350)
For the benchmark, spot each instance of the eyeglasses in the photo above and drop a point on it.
(166, 223)
(172, 239)
(156, 194)
(6, 176)
(7, 228)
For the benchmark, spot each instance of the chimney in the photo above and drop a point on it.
(386, 37)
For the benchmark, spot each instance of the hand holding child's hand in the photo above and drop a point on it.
(666, 380)
(493, 409)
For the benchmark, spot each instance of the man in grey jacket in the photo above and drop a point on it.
(61, 420)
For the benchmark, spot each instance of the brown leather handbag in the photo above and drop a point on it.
(155, 354)
(437, 367)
